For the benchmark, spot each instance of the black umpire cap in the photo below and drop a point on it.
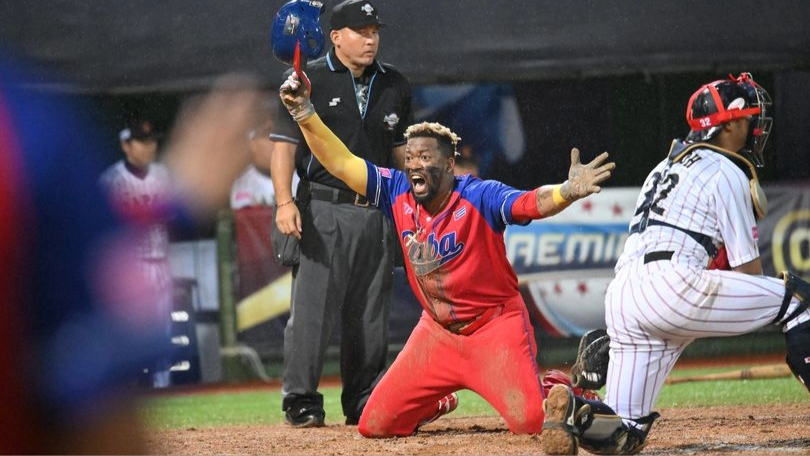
(354, 14)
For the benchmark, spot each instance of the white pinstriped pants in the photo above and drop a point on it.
(654, 311)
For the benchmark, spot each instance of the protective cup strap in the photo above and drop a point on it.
(790, 290)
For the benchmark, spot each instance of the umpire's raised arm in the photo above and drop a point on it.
(330, 150)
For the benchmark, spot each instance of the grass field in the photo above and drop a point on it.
(170, 411)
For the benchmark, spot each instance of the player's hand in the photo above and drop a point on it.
(295, 97)
(288, 220)
(206, 150)
(584, 179)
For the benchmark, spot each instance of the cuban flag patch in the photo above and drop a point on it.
(385, 172)
(755, 233)
(460, 213)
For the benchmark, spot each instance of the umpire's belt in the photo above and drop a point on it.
(657, 256)
(336, 196)
(465, 328)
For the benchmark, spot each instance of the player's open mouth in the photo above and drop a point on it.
(418, 183)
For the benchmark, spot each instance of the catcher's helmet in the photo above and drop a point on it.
(297, 21)
(722, 101)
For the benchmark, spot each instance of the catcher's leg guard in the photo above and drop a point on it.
(797, 340)
(572, 421)
(609, 434)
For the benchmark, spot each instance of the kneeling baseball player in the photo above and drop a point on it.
(474, 332)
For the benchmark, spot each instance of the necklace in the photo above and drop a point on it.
(419, 228)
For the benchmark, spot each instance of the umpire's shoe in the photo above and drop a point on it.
(558, 428)
(304, 417)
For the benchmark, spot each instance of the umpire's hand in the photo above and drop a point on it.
(288, 219)
(295, 97)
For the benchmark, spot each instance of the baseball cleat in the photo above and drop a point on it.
(558, 428)
(305, 417)
(446, 405)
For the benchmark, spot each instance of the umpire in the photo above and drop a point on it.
(347, 248)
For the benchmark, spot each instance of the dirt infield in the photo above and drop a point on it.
(750, 430)
(754, 430)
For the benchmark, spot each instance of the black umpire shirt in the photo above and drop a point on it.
(370, 135)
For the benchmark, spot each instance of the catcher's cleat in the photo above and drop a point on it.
(558, 428)
(446, 405)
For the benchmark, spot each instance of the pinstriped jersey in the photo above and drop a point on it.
(705, 192)
(456, 259)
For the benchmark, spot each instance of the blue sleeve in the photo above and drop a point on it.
(384, 186)
(494, 201)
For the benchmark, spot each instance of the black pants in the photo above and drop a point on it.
(345, 275)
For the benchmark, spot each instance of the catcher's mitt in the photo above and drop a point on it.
(590, 369)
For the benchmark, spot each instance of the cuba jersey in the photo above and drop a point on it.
(456, 259)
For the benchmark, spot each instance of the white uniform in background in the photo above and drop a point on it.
(255, 188)
(129, 193)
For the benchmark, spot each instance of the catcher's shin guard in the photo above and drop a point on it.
(572, 422)
(797, 340)
(609, 434)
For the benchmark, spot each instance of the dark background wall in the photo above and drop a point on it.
(631, 116)
(599, 75)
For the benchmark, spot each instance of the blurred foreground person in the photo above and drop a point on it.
(77, 324)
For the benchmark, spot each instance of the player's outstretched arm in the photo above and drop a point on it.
(330, 150)
(583, 180)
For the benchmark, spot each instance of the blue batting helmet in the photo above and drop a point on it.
(297, 21)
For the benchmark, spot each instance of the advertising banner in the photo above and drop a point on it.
(564, 264)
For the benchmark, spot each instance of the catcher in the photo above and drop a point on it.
(474, 332)
(703, 195)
